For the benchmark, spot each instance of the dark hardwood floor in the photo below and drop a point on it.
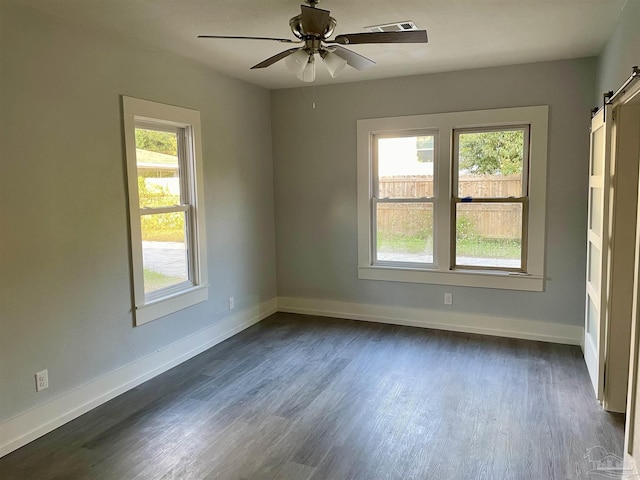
(299, 397)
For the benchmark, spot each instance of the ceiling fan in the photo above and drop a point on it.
(312, 28)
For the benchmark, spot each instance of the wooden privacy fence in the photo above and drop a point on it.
(502, 221)
(422, 186)
(490, 220)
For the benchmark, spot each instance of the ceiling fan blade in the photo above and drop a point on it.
(353, 59)
(283, 40)
(409, 36)
(314, 20)
(275, 58)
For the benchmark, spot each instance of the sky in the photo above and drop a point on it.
(397, 156)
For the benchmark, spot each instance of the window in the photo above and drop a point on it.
(166, 207)
(403, 198)
(454, 198)
(490, 198)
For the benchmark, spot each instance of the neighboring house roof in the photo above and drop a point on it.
(153, 160)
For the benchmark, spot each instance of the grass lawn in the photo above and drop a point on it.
(156, 281)
(404, 244)
(488, 248)
(474, 248)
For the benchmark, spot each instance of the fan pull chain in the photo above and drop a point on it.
(313, 95)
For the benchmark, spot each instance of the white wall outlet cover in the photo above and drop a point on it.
(448, 298)
(42, 380)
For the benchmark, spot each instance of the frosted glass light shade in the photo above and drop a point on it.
(334, 63)
(309, 73)
(297, 62)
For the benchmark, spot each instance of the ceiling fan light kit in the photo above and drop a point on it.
(313, 27)
(302, 64)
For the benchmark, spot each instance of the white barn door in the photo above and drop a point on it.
(597, 254)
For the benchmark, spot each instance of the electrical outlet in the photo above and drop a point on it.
(448, 298)
(232, 303)
(42, 380)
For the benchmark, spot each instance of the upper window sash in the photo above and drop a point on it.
(525, 154)
(376, 170)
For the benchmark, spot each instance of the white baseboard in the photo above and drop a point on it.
(438, 319)
(27, 426)
(630, 468)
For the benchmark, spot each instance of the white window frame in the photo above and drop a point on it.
(146, 114)
(446, 124)
(522, 199)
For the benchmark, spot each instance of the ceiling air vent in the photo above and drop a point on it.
(393, 27)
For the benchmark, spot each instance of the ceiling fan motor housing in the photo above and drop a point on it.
(322, 27)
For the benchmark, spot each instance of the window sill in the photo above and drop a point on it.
(460, 278)
(170, 304)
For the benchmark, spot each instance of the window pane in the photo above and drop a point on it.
(595, 220)
(404, 232)
(592, 321)
(597, 155)
(158, 168)
(491, 164)
(594, 266)
(164, 250)
(489, 234)
(405, 167)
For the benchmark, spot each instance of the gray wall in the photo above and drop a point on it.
(621, 52)
(315, 184)
(65, 290)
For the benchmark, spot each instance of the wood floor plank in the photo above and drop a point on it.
(302, 397)
(295, 471)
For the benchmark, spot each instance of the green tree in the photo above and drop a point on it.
(156, 141)
(492, 153)
(155, 195)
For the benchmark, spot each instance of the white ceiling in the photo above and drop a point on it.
(463, 34)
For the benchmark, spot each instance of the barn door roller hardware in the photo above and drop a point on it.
(609, 97)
